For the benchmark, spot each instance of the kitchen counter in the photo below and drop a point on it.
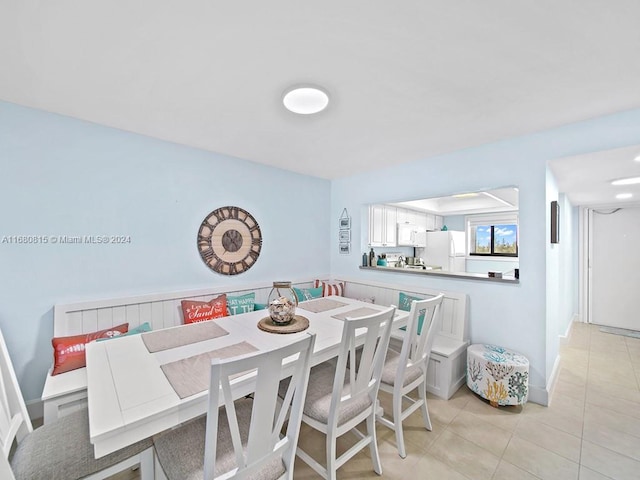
(440, 273)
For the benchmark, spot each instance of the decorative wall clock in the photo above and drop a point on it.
(229, 240)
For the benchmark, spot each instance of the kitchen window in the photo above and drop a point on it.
(495, 236)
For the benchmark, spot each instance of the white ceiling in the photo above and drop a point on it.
(407, 80)
(498, 200)
(586, 179)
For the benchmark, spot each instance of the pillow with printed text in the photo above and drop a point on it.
(241, 303)
(194, 311)
(68, 352)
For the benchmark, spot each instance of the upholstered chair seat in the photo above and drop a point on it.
(181, 450)
(61, 449)
(390, 370)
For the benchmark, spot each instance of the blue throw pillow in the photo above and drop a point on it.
(404, 303)
(145, 327)
(307, 293)
(241, 303)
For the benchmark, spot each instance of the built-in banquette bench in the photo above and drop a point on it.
(66, 392)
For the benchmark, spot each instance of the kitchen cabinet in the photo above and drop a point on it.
(412, 217)
(421, 221)
(434, 222)
(431, 222)
(402, 215)
(382, 226)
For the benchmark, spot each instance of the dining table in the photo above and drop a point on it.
(141, 385)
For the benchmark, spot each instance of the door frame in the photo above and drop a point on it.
(585, 255)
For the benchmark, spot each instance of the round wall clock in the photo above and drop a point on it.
(229, 240)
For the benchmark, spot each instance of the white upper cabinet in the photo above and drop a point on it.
(412, 217)
(434, 222)
(431, 222)
(382, 226)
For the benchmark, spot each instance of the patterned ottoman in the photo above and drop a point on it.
(497, 374)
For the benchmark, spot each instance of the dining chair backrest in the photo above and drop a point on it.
(364, 379)
(265, 442)
(416, 347)
(15, 423)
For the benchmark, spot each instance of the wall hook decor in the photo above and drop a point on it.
(344, 234)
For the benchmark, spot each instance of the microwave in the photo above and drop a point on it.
(410, 236)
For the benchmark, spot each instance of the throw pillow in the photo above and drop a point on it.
(330, 288)
(241, 303)
(307, 293)
(145, 327)
(404, 303)
(68, 352)
(196, 311)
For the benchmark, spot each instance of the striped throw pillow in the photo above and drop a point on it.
(330, 288)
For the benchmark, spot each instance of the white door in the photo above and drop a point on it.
(615, 268)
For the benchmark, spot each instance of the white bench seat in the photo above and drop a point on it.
(64, 393)
(67, 392)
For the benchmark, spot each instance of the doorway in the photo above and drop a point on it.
(613, 246)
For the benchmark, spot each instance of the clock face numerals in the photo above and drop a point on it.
(229, 240)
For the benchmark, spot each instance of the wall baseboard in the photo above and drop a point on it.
(564, 339)
(553, 379)
(539, 395)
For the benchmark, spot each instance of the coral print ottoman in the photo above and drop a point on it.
(497, 374)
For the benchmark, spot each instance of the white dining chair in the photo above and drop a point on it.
(406, 370)
(57, 450)
(244, 439)
(340, 398)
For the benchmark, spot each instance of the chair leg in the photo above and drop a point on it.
(397, 424)
(373, 446)
(331, 447)
(422, 389)
(147, 464)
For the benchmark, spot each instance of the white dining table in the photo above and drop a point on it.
(130, 397)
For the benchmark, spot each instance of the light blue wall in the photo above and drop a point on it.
(60, 176)
(455, 222)
(517, 316)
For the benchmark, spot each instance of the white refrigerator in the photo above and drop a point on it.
(446, 249)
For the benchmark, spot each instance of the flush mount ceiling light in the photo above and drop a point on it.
(466, 195)
(637, 159)
(305, 100)
(623, 196)
(626, 181)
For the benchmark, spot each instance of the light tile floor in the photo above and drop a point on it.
(591, 430)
